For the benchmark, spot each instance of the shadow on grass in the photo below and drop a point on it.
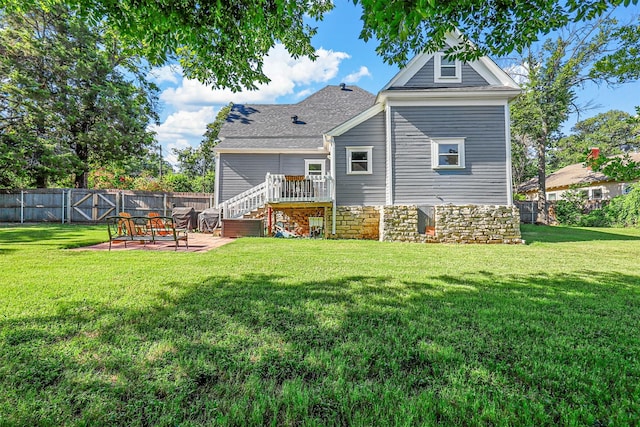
(557, 234)
(259, 350)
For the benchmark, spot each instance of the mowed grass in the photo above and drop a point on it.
(303, 332)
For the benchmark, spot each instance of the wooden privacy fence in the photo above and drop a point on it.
(74, 205)
(528, 211)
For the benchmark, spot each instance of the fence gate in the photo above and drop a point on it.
(85, 205)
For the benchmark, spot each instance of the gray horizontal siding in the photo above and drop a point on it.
(240, 172)
(362, 190)
(425, 77)
(484, 179)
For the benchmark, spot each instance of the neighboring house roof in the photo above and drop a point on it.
(572, 175)
(270, 127)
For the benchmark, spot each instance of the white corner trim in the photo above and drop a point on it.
(389, 159)
(332, 172)
(217, 183)
(507, 132)
(355, 121)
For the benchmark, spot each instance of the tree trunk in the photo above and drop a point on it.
(81, 180)
(543, 211)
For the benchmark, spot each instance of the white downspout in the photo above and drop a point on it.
(216, 187)
(389, 159)
(507, 124)
(332, 153)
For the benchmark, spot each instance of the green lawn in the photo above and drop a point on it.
(303, 332)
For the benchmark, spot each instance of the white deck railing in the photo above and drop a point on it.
(280, 189)
(303, 188)
(245, 202)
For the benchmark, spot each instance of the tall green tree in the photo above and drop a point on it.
(554, 74)
(613, 132)
(72, 96)
(224, 43)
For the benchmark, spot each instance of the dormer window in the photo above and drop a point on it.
(447, 70)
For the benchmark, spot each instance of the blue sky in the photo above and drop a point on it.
(187, 106)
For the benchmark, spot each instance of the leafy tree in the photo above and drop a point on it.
(199, 163)
(554, 73)
(134, 173)
(613, 132)
(619, 168)
(523, 165)
(622, 167)
(72, 96)
(224, 43)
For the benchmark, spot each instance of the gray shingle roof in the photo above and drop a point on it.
(270, 125)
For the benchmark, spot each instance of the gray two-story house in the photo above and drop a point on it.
(426, 159)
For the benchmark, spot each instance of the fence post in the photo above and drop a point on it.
(123, 203)
(62, 210)
(69, 196)
(164, 204)
(21, 207)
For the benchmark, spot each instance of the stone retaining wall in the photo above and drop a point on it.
(478, 224)
(453, 224)
(357, 222)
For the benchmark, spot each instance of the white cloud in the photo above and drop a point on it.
(304, 93)
(166, 73)
(192, 103)
(183, 128)
(355, 77)
(284, 72)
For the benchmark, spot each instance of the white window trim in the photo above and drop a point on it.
(592, 191)
(437, 72)
(308, 162)
(369, 150)
(435, 155)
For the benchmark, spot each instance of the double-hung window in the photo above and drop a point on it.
(314, 167)
(359, 160)
(447, 70)
(447, 153)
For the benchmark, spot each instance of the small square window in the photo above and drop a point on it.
(359, 160)
(596, 194)
(551, 197)
(447, 153)
(313, 167)
(446, 70)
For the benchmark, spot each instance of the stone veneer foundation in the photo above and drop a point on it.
(356, 222)
(453, 224)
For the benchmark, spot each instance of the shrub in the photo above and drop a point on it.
(595, 218)
(567, 212)
(624, 211)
